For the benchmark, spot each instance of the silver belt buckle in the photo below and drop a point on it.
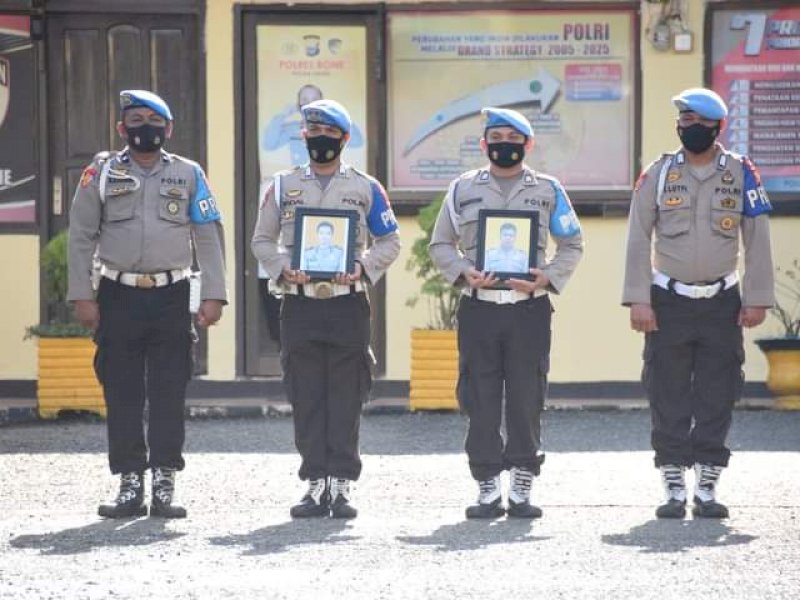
(506, 297)
(323, 289)
(145, 281)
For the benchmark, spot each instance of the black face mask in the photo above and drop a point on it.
(506, 154)
(323, 149)
(146, 138)
(698, 138)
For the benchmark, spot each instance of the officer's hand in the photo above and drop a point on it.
(540, 281)
(349, 278)
(752, 316)
(209, 312)
(296, 277)
(477, 279)
(87, 313)
(643, 318)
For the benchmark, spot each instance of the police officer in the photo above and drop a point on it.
(504, 334)
(506, 258)
(325, 327)
(686, 299)
(140, 211)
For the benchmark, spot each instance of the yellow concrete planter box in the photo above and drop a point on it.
(783, 380)
(66, 377)
(434, 370)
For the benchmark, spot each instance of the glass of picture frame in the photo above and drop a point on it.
(324, 242)
(507, 243)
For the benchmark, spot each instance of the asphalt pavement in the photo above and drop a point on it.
(598, 537)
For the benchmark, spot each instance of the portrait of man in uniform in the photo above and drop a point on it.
(507, 257)
(324, 241)
(505, 246)
(324, 255)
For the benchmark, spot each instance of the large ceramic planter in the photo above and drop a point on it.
(783, 356)
(434, 370)
(66, 377)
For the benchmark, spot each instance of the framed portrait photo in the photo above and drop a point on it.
(324, 241)
(507, 243)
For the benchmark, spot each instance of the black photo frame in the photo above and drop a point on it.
(510, 262)
(309, 229)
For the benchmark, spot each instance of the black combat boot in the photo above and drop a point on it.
(316, 502)
(705, 488)
(340, 499)
(489, 500)
(519, 495)
(163, 494)
(675, 490)
(130, 499)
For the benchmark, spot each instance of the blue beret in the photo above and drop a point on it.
(327, 112)
(505, 117)
(702, 101)
(135, 98)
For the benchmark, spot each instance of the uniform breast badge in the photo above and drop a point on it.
(173, 207)
(727, 223)
(728, 203)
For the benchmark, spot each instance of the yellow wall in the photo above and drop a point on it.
(19, 272)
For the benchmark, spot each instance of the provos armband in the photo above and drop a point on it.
(380, 220)
(756, 201)
(203, 207)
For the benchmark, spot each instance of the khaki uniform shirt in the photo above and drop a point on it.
(698, 216)
(142, 221)
(454, 241)
(349, 189)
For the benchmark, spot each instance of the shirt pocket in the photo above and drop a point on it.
(173, 204)
(725, 218)
(674, 216)
(120, 206)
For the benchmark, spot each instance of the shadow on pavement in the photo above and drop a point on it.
(472, 535)
(666, 536)
(283, 536)
(101, 534)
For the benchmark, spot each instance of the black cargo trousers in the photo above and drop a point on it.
(144, 353)
(504, 350)
(693, 375)
(327, 375)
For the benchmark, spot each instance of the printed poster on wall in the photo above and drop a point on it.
(18, 164)
(299, 64)
(571, 73)
(755, 67)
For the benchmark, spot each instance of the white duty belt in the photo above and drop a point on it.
(145, 280)
(501, 296)
(320, 290)
(695, 292)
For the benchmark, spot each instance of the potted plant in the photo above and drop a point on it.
(66, 378)
(434, 352)
(783, 352)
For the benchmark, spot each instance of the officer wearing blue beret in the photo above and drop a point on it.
(504, 327)
(325, 324)
(142, 212)
(689, 210)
